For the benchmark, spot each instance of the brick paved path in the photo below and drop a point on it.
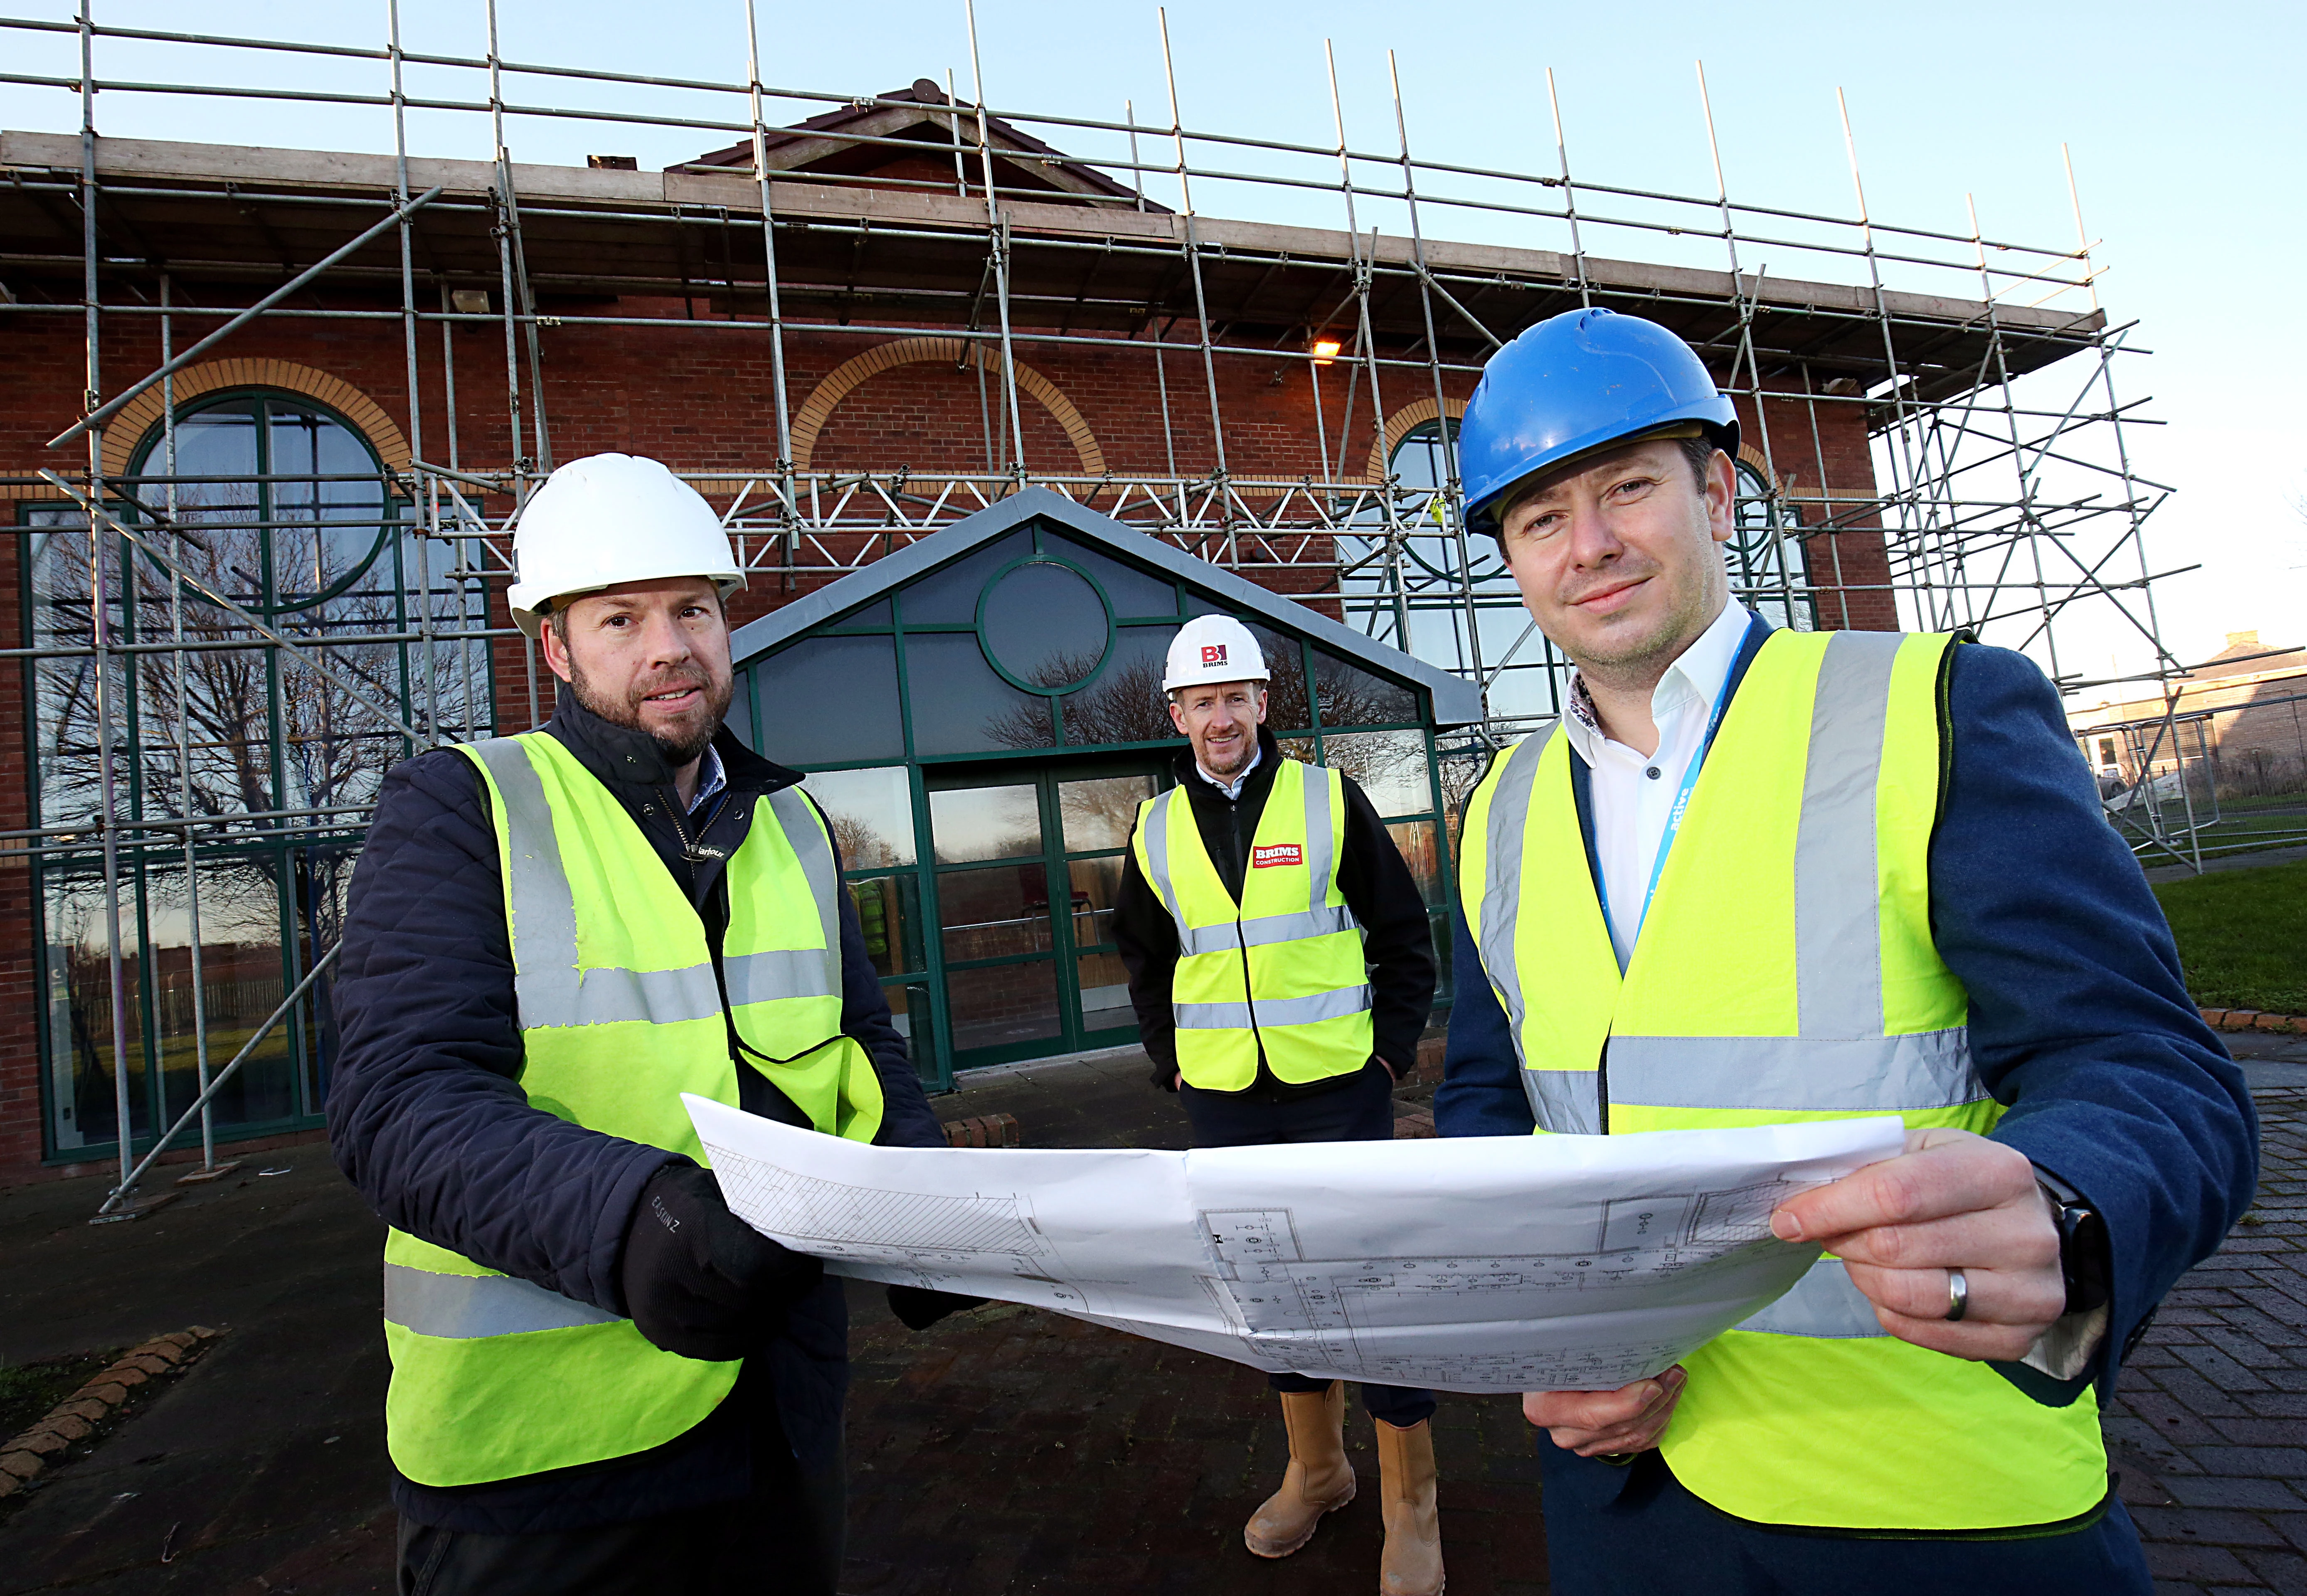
(1014, 1450)
(2208, 1426)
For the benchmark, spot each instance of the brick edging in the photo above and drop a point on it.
(23, 1456)
(983, 1130)
(2251, 1019)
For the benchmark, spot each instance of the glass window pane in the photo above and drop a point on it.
(871, 814)
(79, 997)
(1126, 703)
(1004, 1004)
(1101, 813)
(972, 823)
(1095, 884)
(950, 596)
(1349, 695)
(1130, 590)
(993, 914)
(739, 718)
(1046, 626)
(1105, 993)
(960, 705)
(872, 614)
(1415, 838)
(240, 986)
(911, 1014)
(886, 919)
(1286, 707)
(1390, 767)
(831, 700)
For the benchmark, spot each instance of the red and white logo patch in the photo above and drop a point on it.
(1275, 854)
(1213, 654)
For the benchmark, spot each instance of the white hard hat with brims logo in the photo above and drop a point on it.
(607, 520)
(1213, 648)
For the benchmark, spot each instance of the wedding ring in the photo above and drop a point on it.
(1957, 1295)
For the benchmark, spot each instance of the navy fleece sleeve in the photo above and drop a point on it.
(1481, 1094)
(425, 1116)
(2079, 1020)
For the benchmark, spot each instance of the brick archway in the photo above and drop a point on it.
(1398, 426)
(839, 382)
(141, 415)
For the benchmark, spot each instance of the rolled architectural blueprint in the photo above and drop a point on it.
(1542, 1262)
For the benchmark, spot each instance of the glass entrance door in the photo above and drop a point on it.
(1028, 864)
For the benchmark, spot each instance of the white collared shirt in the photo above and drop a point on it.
(1634, 795)
(710, 777)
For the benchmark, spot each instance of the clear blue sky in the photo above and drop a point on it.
(2185, 123)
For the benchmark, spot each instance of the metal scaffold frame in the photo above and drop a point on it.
(2001, 490)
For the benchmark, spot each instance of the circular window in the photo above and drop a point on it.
(1044, 626)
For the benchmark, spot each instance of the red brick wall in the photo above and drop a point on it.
(20, 984)
(700, 396)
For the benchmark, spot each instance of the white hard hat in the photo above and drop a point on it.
(1213, 648)
(609, 519)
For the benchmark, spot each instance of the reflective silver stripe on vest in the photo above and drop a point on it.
(1880, 1075)
(610, 996)
(1157, 866)
(1564, 1101)
(1824, 1303)
(1838, 934)
(777, 972)
(552, 991)
(470, 1306)
(807, 839)
(544, 928)
(1320, 918)
(1273, 1011)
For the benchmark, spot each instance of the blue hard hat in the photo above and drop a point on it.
(1576, 383)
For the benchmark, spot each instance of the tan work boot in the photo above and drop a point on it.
(1412, 1563)
(1318, 1480)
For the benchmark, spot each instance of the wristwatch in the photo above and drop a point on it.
(2083, 1244)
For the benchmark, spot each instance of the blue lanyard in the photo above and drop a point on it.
(1681, 797)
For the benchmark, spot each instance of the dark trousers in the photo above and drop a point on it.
(783, 1540)
(1636, 1531)
(1361, 1111)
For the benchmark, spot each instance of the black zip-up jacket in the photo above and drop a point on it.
(1378, 887)
(428, 1120)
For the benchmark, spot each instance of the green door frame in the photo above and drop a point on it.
(1047, 776)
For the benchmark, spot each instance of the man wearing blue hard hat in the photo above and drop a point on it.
(1754, 876)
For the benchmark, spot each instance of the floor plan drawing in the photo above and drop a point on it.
(1497, 1264)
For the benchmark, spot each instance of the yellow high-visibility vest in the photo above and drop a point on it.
(1786, 972)
(494, 1377)
(1283, 967)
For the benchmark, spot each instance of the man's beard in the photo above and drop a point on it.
(1247, 747)
(678, 748)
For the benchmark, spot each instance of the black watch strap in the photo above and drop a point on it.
(2083, 1259)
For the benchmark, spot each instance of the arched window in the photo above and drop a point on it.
(1429, 619)
(269, 515)
(293, 497)
(1769, 568)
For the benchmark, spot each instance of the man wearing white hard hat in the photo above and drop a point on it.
(1282, 970)
(603, 1380)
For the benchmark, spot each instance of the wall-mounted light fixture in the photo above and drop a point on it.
(1326, 350)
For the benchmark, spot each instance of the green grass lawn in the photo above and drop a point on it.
(2243, 937)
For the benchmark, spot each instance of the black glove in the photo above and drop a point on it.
(920, 1307)
(700, 1282)
(1166, 1077)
